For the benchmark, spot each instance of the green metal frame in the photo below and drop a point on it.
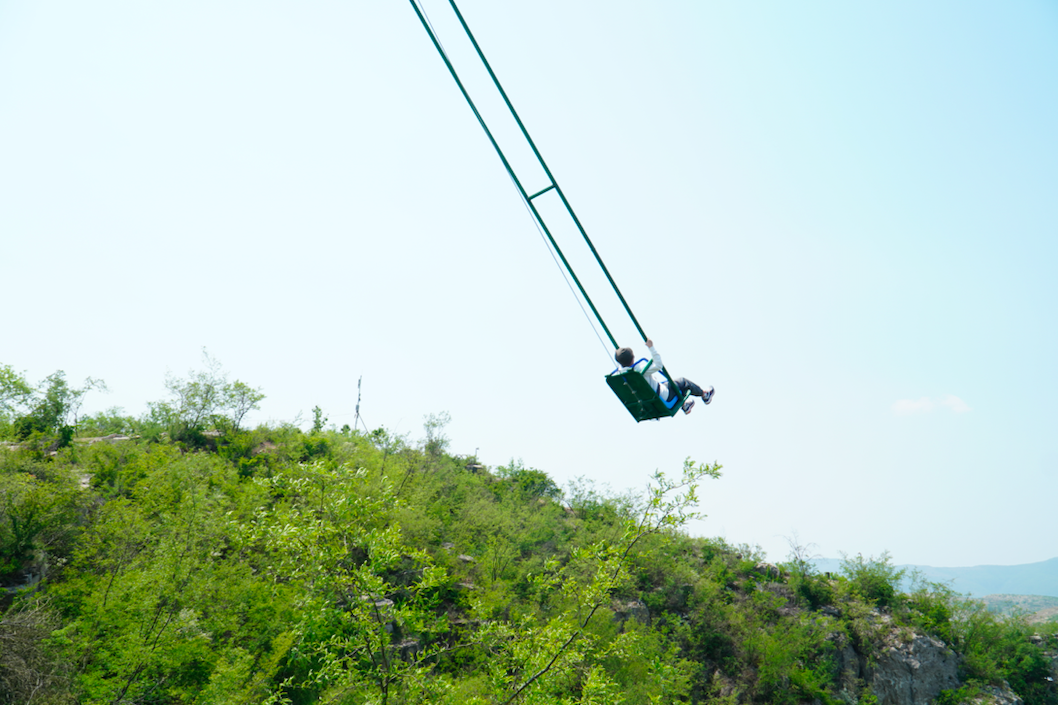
(517, 182)
(631, 392)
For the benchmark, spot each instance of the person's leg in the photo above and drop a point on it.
(684, 384)
(678, 385)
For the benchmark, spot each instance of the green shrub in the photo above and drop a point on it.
(997, 648)
(36, 516)
(529, 482)
(106, 423)
(931, 608)
(875, 580)
(958, 696)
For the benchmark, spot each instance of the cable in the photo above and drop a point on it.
(554, 257)
(521, 197)
(509, 168)
(551, 178)
(433, 31)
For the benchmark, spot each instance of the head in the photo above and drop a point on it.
(625, 357)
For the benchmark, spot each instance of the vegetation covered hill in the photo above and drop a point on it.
(186, 559)
(1035, 608)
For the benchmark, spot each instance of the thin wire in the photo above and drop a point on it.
(437, 36)
(606, 349)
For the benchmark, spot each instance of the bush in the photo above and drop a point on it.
(874, 580)
(997, 649)
(30, 670)
(931, 608)
(106, 423)
(35, 515)
(528, 482)
(205, 399)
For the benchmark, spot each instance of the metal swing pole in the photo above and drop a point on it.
(543, 164)
(528, 198)
(514, 177)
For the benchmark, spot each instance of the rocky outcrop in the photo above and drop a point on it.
(636, 610)
(1050, 652)
(112, 438)
(998, 695)
(913, 670)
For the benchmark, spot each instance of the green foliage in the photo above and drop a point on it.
(565, 641)
(598, 507)
(874, 580)
(318, 419)
(203, 401)
(44, 416)
(156, 600)
(529, 483)
(40, 510)
(105, 423)
(998, 648)
(272, 565)
(959, 696)
(932, 608)
(116, 469)
(15, 391)
(434, 425)
(813, 589)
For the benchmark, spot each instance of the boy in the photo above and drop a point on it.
(625, 359)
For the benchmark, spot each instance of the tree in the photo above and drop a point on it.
(29, 672)
(436, 441)
(15, 391)
(239, 400)
(318, 419)
(876, 580)
(563, 642)
(805, 579)
(205, 398)
(53, 407)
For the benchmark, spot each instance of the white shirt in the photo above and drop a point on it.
(660, 387)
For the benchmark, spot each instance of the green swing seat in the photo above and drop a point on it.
(642, 402)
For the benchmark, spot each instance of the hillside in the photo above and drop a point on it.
(164, 560)
(277, 565)
(1036, 608)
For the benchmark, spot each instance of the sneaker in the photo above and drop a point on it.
(688, 406)
(707, 395)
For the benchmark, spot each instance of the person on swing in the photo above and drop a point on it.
(626, 360)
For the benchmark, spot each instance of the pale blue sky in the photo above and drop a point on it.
(842, 215)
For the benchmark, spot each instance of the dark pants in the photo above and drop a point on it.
(683, 384)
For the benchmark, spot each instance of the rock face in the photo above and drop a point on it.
(913, 672)
(993, 695)
(636, 610)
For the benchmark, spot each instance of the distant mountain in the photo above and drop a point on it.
(980, 580)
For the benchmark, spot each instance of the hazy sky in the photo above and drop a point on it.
(842, 215)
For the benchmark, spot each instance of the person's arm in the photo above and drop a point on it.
(655, 355)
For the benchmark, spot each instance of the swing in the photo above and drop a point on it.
(630, 386)
(642, 402)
